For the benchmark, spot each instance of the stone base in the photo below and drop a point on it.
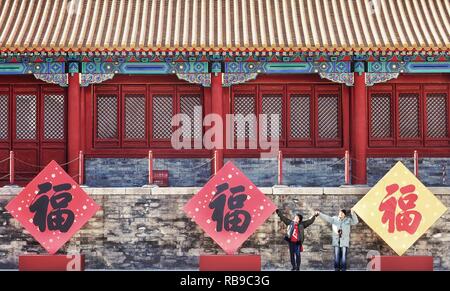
(150, 186)
(11, 186)
(230, 263)
(405, 263)
(51, 263)
(280, 186)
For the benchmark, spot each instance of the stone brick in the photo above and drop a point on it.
(432, 171)
(304, 172)
(126, 172)
(130, 234)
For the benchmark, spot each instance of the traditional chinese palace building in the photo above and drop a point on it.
(371, 77)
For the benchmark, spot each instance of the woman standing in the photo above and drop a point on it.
(340, 226)
(295, 236)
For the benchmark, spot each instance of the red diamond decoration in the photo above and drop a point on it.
(229, 208)
(52, 207)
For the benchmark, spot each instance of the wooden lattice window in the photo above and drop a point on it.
(245, 110)
(409, 116)
(380, 116)
(300, 117)
(54, 112)
(405, 115)
(135, 120)
(301, 111)
(4, 116)
(107, 116)
(310, 114)
(26, 117)
(33, 125)
(437, 118)
(328, 116)
(138, 116)
(188, 104)
(272, 104)
(162, 116)
(381, 121)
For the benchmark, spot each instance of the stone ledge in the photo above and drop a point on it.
(440, 190)
(7, 191)
(298, 190)
(174, 190)
(346, 190)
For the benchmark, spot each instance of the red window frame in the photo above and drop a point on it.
(174, 92)
(325, 90)
(436, 89)
(300, 90)
(379, 141)
(37, 151)
(5, 90)
(244, 90)
(105, 91)
(287, 90)
(127, 90)
(50, 149)
(190, 90)
(5, 144)
(409, 141)
(45, 90)
(158, 90)
(395, 140)
(24, 90)
(272, 90)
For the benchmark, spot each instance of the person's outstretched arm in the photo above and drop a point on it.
(309, 221)
(325, 217)
(354, 218)
(283, 218)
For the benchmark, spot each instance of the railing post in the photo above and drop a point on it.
(150, 167)
(280, 167)
(216, 162)
(416, 164)
(11, 168)
(347, 168)
(81, 168)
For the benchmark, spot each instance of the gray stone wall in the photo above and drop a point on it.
(262, 172)
(305, 172)
(125, 172)
(139, 228)
(313, 172)
(432, 171)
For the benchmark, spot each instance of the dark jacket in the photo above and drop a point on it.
(301, 226)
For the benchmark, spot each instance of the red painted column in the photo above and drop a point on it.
(359, 131)
(217, 108)
(73, 123)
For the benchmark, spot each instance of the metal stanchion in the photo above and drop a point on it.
(81, 169)
(150, 171)
(416, 164)
(347, 168)
(11, 168)
(280, 170)
(216, 164)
